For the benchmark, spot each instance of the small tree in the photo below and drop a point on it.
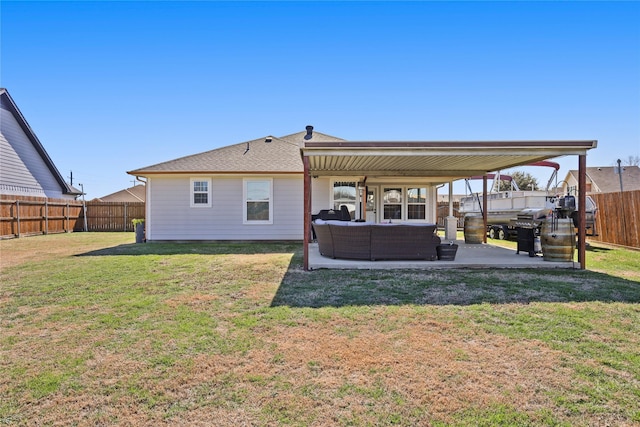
(525, 181)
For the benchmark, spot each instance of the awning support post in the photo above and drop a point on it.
(307, 213)
(484, 208)
(582, 216)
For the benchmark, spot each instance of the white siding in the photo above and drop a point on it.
(171, 217)
(320, 193)
(22, 169)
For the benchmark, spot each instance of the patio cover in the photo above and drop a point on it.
(436, 161)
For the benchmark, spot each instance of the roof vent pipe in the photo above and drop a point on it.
(309, 134)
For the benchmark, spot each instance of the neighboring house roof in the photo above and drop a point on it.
(279, 155)
(604, 179)
(137, 193)
(26, 167)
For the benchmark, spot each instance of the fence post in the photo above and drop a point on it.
(124, 226)
(18, 216)
(67, 217)
(46, 216)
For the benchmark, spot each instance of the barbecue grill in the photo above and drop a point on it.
(527, 225)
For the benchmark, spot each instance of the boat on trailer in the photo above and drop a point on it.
(508, 210)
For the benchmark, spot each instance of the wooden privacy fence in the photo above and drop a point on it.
(618, 218)
(27, 216)
(443, 213)
(113, 216)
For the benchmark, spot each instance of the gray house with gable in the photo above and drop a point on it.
(25, 167)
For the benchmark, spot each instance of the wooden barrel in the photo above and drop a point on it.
(558, 238)
(474, 230)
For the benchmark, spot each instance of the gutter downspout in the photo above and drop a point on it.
(147, 207)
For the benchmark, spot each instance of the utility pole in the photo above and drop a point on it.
(620, 174)
(624, 221)
(84, 208)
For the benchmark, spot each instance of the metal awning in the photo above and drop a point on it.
(440, 161)
(436, 161)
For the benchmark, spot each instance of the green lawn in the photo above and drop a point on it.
(98, 330)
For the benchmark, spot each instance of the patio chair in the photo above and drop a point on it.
(344, 213)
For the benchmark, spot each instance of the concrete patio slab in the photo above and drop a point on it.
(468, 256)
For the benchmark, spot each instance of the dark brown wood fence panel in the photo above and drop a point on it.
(27, 216)
(618, 219)
(113, 216)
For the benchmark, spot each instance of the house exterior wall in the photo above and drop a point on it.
(170, 216)
(23, 172)
(320, 193)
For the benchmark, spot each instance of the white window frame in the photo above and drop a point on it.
(245, 182)
(193, 192)
(332, 201)
(425, 204)
(402, 202)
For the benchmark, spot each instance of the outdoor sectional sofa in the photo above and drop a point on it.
(370, 241)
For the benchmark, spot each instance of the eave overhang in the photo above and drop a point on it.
(143, 172)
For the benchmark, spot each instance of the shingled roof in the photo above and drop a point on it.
(264, 155)
(137, 193)
(606, 180)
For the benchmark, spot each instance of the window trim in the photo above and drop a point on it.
(332, 200)
(425, 204)
(404, 192)
(402, 202)
(247, 221)
(192, 193)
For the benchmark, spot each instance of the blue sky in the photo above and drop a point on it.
(115, 86)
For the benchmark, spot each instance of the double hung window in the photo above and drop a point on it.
(416, 203)
(392, 203)
(200, 192)
(258, 201)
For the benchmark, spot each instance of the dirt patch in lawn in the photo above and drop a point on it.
(338, 372)
(421, 363)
